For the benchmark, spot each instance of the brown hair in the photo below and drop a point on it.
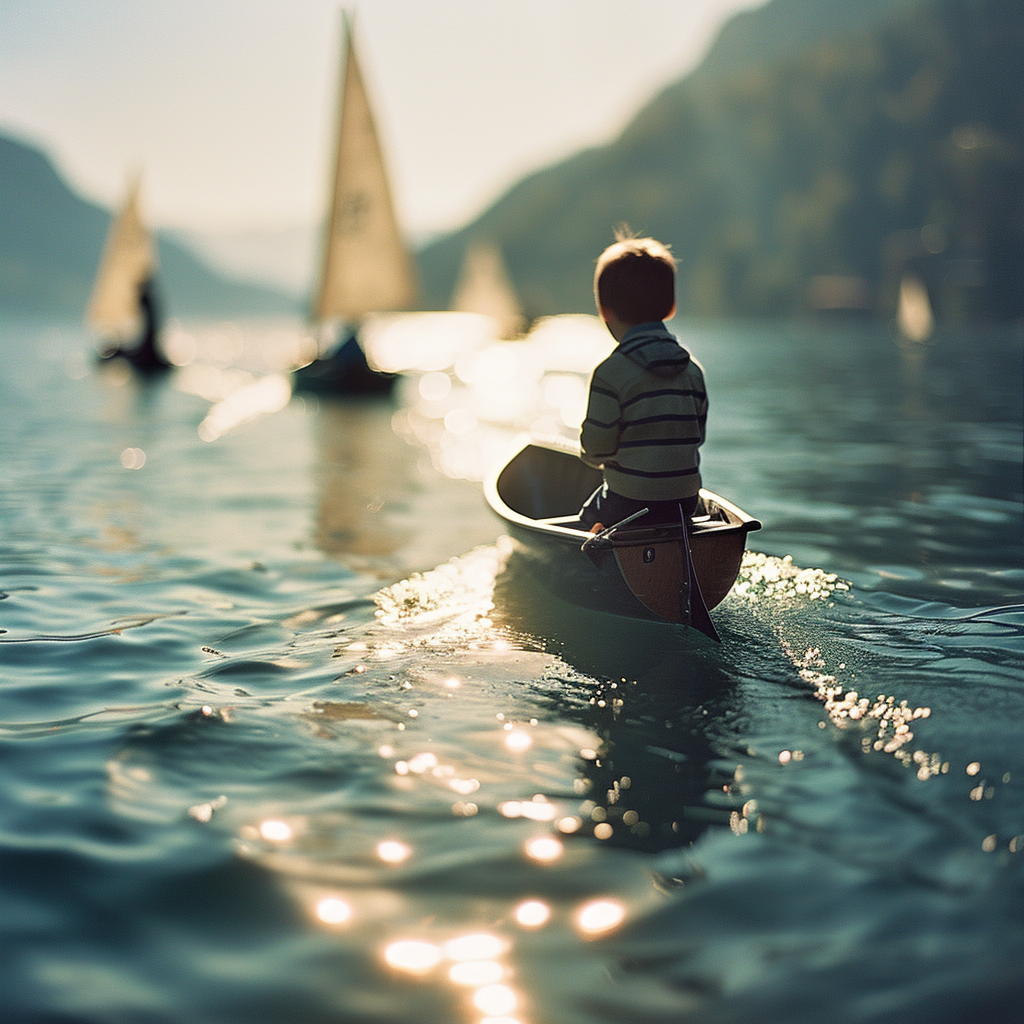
(635, 279)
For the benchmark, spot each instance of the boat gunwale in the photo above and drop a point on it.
(738, 520)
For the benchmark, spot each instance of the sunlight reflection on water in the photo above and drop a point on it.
(502, 388)
(217, 781)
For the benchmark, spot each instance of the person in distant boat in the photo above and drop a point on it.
(648, 405)
(145, 354)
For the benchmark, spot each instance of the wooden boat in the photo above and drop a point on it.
(656, 572)
(122, 307)
(365, 266)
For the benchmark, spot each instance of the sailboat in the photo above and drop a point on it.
(365, 266)
(484, 287)
(914, 311)
(123, 292)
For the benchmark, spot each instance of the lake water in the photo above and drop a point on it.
(284, 738)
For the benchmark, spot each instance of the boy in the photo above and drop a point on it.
(648, 408)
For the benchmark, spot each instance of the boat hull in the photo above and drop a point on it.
(640, 572)
(345, 372)
(324, 377)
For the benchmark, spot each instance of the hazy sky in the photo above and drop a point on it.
(227, 104)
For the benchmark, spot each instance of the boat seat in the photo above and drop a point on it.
(703, 523)
(569, 521)
(574, 521)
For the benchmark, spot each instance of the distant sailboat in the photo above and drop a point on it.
(366, 267)
(485, 287)
(914, 312)
(123, 305)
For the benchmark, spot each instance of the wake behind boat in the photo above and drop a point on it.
(365, 266)
(657, 572)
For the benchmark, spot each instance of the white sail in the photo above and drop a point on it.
(129, 257)
(484, 287)
(366, 267)
(914, 314)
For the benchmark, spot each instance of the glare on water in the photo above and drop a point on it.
(276, 711)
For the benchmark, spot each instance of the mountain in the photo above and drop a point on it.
(821, 150)
(51, 240)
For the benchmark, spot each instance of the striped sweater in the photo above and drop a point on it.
(646, 417)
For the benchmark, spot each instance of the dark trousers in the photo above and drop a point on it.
(608, 508)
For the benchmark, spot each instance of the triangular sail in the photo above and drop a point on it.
(128, 259)
(914, 312)
(484, 287)
(366, 266)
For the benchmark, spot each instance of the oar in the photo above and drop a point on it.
(609, 530)
(700, 617)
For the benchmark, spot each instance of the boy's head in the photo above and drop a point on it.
(635, 280)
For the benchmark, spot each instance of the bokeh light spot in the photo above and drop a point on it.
(600, 916)
(435, 386)
(495, 999)
(133, 458)
(391, 851)
(412, 956)
(476, 946)
(518, 741)
(544, 849)
(532, 913)
(276, 831)
(333, 910)
(422, 762)
(476, 972)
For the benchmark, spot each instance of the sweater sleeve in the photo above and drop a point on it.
(599, 435)
(702, 412)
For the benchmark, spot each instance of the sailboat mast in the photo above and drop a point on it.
(366, 267)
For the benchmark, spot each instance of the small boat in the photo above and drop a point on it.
(365, 266)
(122, 308)
(658, 572)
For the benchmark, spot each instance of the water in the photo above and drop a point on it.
(284, 740)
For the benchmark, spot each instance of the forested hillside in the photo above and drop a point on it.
(51, 240)
(819, 152)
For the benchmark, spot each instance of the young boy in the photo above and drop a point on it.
(648, 407)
